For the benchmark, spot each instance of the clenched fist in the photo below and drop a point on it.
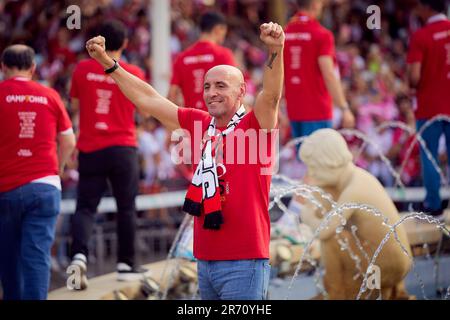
(96, 49)
(272, 34)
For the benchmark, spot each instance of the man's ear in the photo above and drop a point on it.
(33, 68)
(243, 90)
(4, 71)
(220, 31)
(125, 44)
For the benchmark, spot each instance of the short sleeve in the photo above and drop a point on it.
(188, 118)
(415, 51)
(254, 123)
(138, 72)
(326, 45)
(176, 70)
(63, 120)
(184, 118)
(74, 85)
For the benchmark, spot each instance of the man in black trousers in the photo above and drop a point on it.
(107, 152)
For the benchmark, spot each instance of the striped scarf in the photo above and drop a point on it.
(203, 195)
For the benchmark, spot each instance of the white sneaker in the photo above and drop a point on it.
(126, 272)
(79, 262)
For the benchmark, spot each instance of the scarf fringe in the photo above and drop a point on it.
(192, 207)
(200, 199)
(213, 220)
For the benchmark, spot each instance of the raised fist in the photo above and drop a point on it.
(272, 34)
(96, 48)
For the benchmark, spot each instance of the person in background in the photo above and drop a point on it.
(107, 147)
(36, 141)
(429, 73)
(311, 78)
(191, 65)
(311, 82)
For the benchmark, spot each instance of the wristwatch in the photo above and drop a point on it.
(345, 107)
(113, 68)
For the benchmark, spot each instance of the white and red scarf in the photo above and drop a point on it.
(203, 195)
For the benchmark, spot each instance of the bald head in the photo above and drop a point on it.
(229, 73)
(224, 90)
(18, 56)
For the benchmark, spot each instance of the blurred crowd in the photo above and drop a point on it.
(371, 63)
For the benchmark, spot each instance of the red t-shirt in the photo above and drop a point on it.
(106, 115)
(31, 117)
(307, 97)
(245, 233)
(190, 67)
(430, 46)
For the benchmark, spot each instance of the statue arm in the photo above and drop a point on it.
(312, 217)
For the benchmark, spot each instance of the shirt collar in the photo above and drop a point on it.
(205, 42)
(436, 18)
(19, 78)
(303, 16)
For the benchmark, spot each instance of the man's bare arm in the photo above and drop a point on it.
(146, 99)
(75, 105)
(66, 145)
(414, 70)
(268, 100)
(334, 87)
(175, 95)
(312, 216)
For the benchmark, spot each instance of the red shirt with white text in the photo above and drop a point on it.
(190, 67)
(307, 97)
(106, 115)
(31, 117)
(245, 233)
(430, 46)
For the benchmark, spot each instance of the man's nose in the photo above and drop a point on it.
(212, 93)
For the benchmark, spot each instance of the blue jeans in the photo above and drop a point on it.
(234, 279)
(305, 128)
(27, 229)
(431, 178)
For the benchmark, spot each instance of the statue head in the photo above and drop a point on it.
(326, 156)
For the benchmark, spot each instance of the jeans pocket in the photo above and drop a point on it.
(5, 206)
(266, 279)
(49, 201)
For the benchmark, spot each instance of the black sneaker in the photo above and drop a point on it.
(445, 204)
(126, 272)
(77, 271)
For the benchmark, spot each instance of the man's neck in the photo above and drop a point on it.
(207, 37)
(222, 122)
(306, 12)
(18, 74)
(114, 54)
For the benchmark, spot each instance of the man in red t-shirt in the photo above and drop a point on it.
(191, 65)
(231, 184)
(33, 121)
(107, 152)
(429, 72)
(311, 77)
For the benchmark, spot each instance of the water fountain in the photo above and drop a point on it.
(363, 260)
(299, 256)
(418, 137)
(392, 230)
